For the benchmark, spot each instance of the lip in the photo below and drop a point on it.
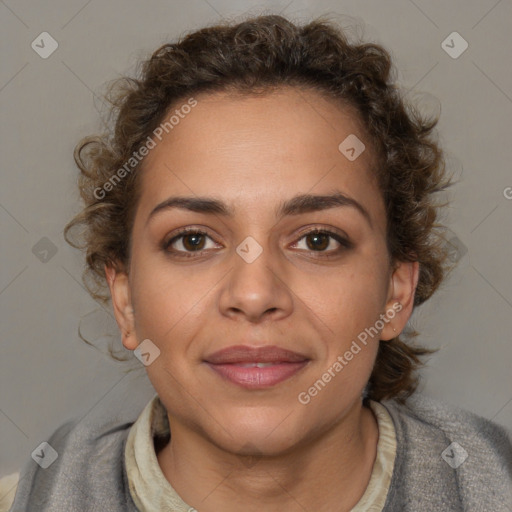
(247, 354)
(237, 364)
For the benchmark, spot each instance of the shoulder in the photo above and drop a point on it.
(79, 467)
(464, 458)
(437, 419)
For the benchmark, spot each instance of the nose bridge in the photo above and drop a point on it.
(255, 286)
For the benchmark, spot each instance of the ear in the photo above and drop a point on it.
(400, 303)
(119, 285)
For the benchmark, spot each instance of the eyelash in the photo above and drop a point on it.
(344, 243)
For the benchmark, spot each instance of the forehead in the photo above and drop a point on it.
(256, 151)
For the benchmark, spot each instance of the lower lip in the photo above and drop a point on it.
(258, 378)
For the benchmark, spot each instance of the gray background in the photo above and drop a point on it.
(48, 375)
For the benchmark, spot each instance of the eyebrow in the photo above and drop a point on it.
(300, 204)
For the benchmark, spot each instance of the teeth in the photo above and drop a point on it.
(256, 365)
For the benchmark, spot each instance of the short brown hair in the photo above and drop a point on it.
(258, 55)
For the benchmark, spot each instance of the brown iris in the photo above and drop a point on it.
(321, 241)
(196, 240)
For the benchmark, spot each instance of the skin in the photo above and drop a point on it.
(253, 153)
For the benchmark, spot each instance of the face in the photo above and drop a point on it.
(259, 268)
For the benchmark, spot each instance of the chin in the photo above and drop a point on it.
(258, 433)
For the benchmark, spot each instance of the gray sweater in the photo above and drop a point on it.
(447, 459)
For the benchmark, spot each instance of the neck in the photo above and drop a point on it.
(328, 472)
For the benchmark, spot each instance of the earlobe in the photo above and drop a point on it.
(400, 303)
(119, 286)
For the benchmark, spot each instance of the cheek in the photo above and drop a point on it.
(345, 308)
(349, 309)
(348, 299)
(162, 298)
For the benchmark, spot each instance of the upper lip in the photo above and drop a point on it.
(247, 354)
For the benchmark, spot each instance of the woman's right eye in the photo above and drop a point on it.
(187, 242)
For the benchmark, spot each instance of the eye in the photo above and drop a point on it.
(320, 240)
(188, 241)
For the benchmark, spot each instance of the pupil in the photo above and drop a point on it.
(195, 244)
(322, 236)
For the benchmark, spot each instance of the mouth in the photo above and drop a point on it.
(258, 367)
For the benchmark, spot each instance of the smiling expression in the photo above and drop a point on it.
(262, 175)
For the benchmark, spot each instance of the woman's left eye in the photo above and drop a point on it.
(321, 241)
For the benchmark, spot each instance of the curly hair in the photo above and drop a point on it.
(259, 55)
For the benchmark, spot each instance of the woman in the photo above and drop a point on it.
(264, 216)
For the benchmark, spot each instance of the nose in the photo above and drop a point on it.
(256, 290)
